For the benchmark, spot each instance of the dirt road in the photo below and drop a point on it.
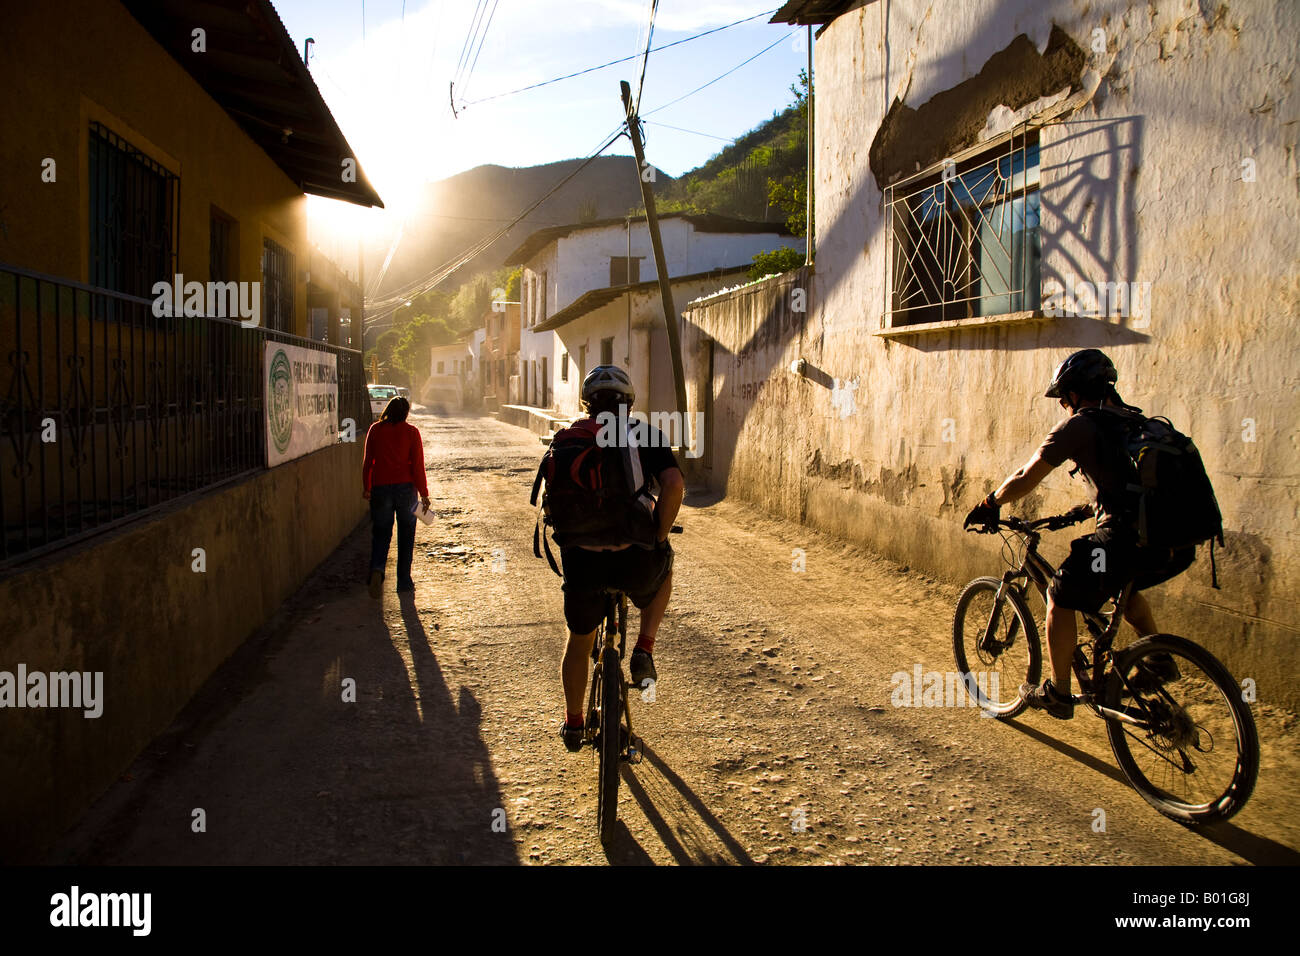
(772, 738)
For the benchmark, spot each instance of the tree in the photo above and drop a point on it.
(775, 262)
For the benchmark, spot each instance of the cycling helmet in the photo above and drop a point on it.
(608, 378)
(1081, 368)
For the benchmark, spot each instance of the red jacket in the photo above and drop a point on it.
(394, 456)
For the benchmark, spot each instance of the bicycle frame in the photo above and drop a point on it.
(613, 634)
(1089, 671)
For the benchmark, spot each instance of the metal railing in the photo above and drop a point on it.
(108, 411)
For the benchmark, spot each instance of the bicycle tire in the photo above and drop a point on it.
(610, 737)
(1006, 702)
(1221, 805)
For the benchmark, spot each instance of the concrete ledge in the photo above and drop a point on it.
(540, 421)
(956, 325)
(130, 604)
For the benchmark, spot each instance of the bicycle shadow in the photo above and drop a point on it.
(695, 835)
(1259, 850)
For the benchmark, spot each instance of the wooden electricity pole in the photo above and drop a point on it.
(656, 244)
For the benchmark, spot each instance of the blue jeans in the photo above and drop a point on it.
(386, 503)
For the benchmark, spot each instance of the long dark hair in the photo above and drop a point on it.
(396, 410)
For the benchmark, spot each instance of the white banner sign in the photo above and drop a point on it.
(302, 401)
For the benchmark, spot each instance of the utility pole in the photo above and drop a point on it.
(656, 244)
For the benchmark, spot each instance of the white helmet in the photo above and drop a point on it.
(608, 378)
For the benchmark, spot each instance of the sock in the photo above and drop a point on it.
(573, 720)
(645, 643)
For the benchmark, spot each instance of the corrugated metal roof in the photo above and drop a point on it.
(703, 222)
(815, 11)
(593, 300)
(253, 70)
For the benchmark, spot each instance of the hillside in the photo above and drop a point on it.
(761, 176)
(460, 210)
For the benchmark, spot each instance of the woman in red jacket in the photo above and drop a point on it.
(391, 473)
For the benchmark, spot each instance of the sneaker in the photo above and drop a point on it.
(642, 667)
(376, 584)
(572, 736)
(1153, 672)
(1046, 697)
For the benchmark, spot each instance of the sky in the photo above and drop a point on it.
(388, 86)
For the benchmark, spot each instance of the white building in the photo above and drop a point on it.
(569, 273)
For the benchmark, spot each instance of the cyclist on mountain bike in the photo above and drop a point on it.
(640, 569)
(1101, 563)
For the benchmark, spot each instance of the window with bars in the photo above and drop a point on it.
(964, 240)
(624, 270)
(564, 366)
(133, 213)
(277, 286)
(222, 252)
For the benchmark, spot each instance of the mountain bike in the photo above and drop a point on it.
(1175, 717)
(609, 718)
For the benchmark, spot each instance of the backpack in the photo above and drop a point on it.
(1175, 505)
(593, 495)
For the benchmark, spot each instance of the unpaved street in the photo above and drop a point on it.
(772, 710)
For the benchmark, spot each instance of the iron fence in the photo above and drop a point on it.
(108, 411)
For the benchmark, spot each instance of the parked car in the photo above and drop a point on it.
(380, 396)
(404, 392)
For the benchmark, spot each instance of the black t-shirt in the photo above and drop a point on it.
(1095, 442)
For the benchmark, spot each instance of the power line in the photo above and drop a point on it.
(468, 43)
(634, 56)
(680, 129)
(391, 302)
(716, 78)
(645, 60)
(481, 40)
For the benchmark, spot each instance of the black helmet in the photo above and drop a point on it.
(608, 378)
(1081, 369)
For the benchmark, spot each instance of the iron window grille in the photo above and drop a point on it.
(277, 286)
(963, 238)
(134, 207)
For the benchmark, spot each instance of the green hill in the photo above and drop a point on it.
(761, 176)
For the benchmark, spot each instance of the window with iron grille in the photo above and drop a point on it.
(964, 239)
(133, 211)
(221, 247)
(624, 270)
(277, 286)
(564, 366)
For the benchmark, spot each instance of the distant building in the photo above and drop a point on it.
(500, 362)
(564, 264)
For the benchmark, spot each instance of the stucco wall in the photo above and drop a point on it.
(70, 62)
(890, 441)
(131, 605)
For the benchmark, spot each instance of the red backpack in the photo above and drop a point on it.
(594, 495)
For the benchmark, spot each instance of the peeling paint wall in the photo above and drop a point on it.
(1177, 170)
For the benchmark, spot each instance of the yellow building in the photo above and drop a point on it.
(141, 142)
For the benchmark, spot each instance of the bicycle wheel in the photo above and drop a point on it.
(1003, 656)
(1197, 756)
(610, 676)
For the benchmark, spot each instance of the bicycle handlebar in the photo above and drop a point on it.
(1074, 516)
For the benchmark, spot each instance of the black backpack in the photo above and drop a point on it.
(592, 496)
(1174, 503)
